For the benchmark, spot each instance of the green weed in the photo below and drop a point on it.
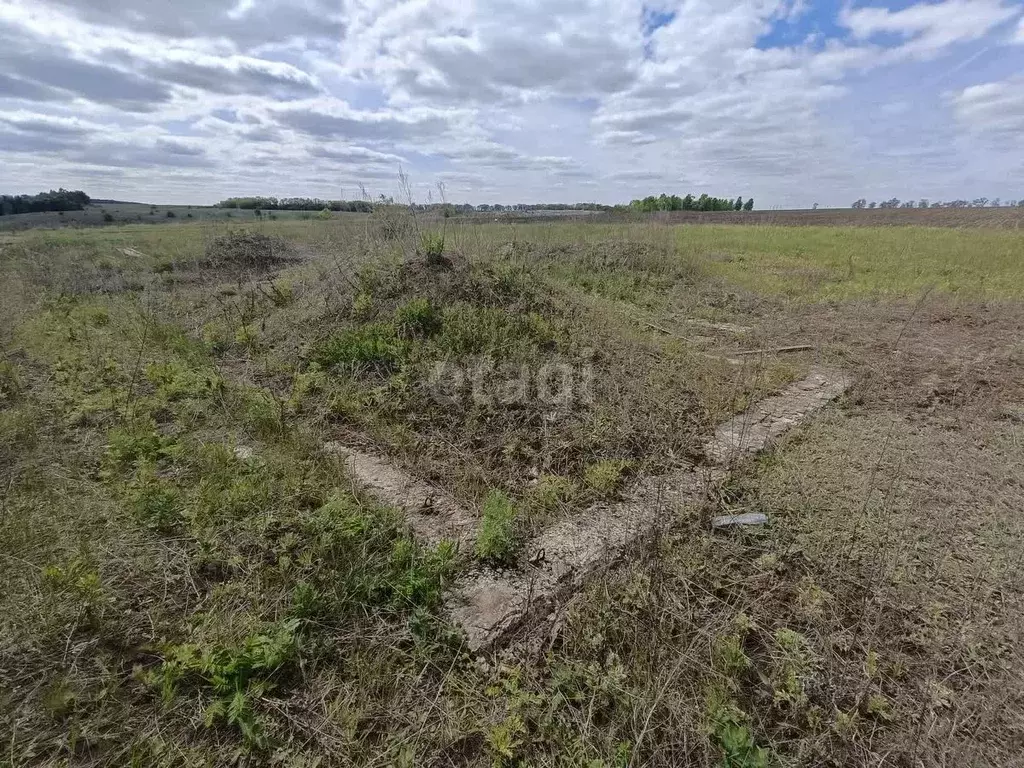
(155, 502)
(217, 337)
(470, 330)
(132, 444)
(498, 540)
(730, 731)
(418, 317)
(362, 306)
(237, 676)
(432, 247)
(607, 476)
(730, 657)
(78, 581)
(793, 669)
(395, 573)
(375, 347)
(281, 293)
(548, 495)
(174, 380)
(261, 412)
(247, 337)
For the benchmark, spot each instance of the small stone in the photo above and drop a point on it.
(1013, 413)
(244, 452)
(748, 518)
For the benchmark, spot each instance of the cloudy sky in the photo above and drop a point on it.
(790, 101)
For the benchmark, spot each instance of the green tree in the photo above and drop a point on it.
(749, 205)
(738, 205)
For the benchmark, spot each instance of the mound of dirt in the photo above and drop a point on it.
(457, 280)
(246, 249)
(492, 361)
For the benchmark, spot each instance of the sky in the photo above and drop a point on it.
(792, 102)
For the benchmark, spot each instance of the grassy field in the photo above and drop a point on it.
(189, 579)
(119, 214)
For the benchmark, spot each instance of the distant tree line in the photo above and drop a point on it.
(453, 208)
(704, 202)
(547, 207)
(295, 204)
(365, 206)
(59, 200)
(661, 203)
(978, 202)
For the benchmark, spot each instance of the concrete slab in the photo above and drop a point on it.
(432, 514)
(755, 429)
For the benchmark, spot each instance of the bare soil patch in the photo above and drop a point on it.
(998, 218)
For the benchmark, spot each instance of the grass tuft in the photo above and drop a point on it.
(374, 347)
(498, 541)
(607, 476)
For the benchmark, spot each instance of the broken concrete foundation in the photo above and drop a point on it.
(433, 515)
(494, 606)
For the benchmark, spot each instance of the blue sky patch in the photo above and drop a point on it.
(820, 21)
(180, 128)
(654, 19)
(651, 21)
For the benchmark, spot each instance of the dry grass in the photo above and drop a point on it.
(188, 580)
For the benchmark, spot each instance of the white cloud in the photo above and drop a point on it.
(230, 74)
(245, 24)
(355, 154)
(930, 27)
(334, 119)
(54, 125)
(490, 51)
(994, 110)
(512, 100)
